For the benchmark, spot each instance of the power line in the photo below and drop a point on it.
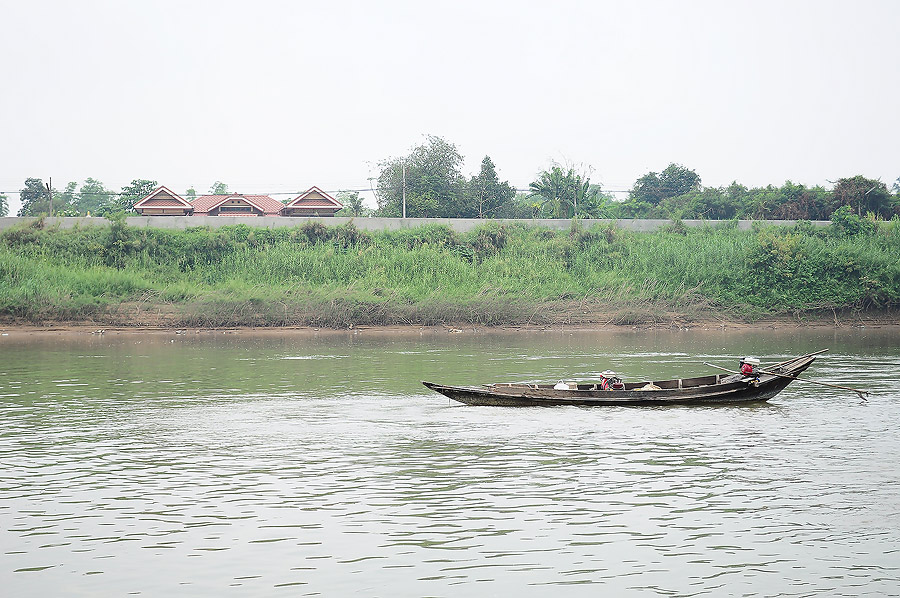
(329, 191)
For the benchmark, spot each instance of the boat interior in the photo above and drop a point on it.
(661, 384)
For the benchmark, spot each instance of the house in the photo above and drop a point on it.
(163, 202)
(313, 202)
(236, 204)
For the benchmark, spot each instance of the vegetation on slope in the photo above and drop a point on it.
(340, 277)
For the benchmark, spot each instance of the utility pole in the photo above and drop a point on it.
(374, 192)
(403, 162)
(864, 200)
(49, 187)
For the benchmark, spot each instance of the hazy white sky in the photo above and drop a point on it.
(277, 96)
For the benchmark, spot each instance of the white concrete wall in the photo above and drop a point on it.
(457, 224)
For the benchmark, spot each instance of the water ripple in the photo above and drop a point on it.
(336, 492)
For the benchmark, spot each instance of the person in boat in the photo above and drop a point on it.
(610, 381)
(749, 370)
(750, 367)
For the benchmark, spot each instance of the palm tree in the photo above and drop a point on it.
(562, 191)
(553, 186)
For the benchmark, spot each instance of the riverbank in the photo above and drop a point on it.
(343, 278)
(884, 321)
(585, 314)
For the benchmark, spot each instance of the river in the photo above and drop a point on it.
(299, 464)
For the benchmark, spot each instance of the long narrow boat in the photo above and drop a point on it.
(704, 390)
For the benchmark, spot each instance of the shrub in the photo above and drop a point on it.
(347, 236)
(676, 227)
(845, 223)
(436, 235)
(489, 239)
(22, 235)
(314, 232)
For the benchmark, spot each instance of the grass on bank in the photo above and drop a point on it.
(340, 276)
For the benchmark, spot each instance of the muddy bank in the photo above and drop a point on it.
(477, 313)
(783, 323)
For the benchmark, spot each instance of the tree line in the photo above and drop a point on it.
(429, 182)
(91, 199)
(435, 187)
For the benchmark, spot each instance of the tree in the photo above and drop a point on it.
(132, 193)
(353, 204)
(64, 201)
(566, 193)
(35, 199)
(4, 205)
(434, 184)
(218, 188)
(845, 223)
(551, 186)
(485, 193)
(714, 203)
(863, 195)
(675, 180)
(798, 202)
(791, 201)
(523, 205)
(597, 204)
(896, 204)
(67, 196)
(190, 194)
(92, 197)
(647, 189)
(650, 190)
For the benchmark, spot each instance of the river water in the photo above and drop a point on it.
(217, 464)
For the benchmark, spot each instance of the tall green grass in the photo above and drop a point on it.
(341, 276)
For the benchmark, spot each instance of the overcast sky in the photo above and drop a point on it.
(278, 96)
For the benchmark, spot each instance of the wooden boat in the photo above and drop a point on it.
(714, 389)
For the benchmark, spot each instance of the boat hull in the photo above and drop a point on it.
(721, 393)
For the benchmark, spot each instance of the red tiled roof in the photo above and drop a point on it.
(269, 206)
